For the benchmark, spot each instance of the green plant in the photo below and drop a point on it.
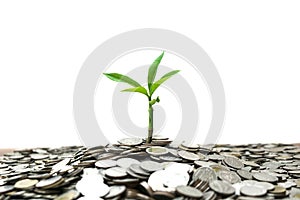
(152, 86)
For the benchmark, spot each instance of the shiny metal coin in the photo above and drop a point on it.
(205, 174)
(253, 191)
(131, 141)
(116, 172)
(229, 176)
(104, 164)
(48, 182)
(222, 188)
(233, 162)
(157, 150)
(188, 155)
(189, 192)
(115, 191)
(126, 162)
(6, 188)
(25, 183)
(265, 177)
(151, 166)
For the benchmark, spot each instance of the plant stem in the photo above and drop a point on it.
(150, 125)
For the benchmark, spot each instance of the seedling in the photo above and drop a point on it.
(152, 86)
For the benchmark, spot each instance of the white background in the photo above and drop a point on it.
(255, 46)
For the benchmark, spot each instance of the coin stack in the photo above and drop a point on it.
(163, 170)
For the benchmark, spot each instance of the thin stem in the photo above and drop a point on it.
(150, 125)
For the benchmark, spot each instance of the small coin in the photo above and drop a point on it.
(221, 187)
(126, 162)
(138, 170)
(69, 195)
(115, 190)
(151, 166)
(39, 156)
(229, 176)
(157, 150)
(6, 188)
(233, 162)
(205, 174)
(188, 155)
(26, 183)
(244, 174)
(189, 191)
(116, 172)
(264, 176)
(253, 191)
(107, 163)
(278, 190)
(48, 182)
(131, 141)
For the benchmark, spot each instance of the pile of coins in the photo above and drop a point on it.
(161, 170)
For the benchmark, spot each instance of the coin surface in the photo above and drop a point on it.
(253, 191)
(221, 187)
(233, 162)
(264, 176)
(26, 183)
(126, 162)
(6, 188)
(131, 141)
(157, 150)
(189, 191)
(188, 155)
(151, 166)
(116, 172)
(104, 164)
(48, 182)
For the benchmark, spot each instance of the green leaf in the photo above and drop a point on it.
(137, 89)
(155, 85)
(122, 78)
(153, 69)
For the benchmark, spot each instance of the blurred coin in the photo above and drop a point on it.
(116, 172)
(126, 162)
(189, 191)
(157, 150)
(229, 176)
(188, 155)
(253, 191)
(233, 162)
(131, 141)
(244, 174)
(264, 176)
(104, 164)
(205, 174)
(69, 195)
(115, 190)
(26, 183)
(48, 182)
(151, 166)
(221, 187)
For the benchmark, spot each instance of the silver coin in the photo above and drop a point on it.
(253, 191)
(244, 174)
(107, 163)
(189, 191)
(151, 166)
(116, 172)
(265, 177)
(221, 187)
(126, 162)
(188, 155)
(115, 190)
(205, 174)
(48, 182)
(138, 170)
(157, 151)
(131, 141)
(233, 162)
(229, 176)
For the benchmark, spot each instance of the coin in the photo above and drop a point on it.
(264, 176)
(151, 166)
(157, 150)
(221, 187)
(131, 141)
(229, 176)
(126, 162)
(244, 174)
(49, 182)
(253, 191)
(25, 183)
(116, 172)
(205, 174)
(107, 163)
(69, 195)
(233, 162)
(188, 191)
(188, 155)
(115, 190)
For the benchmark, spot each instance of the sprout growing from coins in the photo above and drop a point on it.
(152, 86)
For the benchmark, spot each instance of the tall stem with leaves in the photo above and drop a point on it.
(152, 86)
